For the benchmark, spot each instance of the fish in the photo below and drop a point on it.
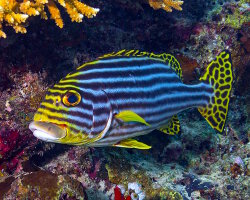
(124, 94)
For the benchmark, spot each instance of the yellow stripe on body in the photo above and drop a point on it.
(89, 63)
(57, 91)
(82, 66)
(66, 86)
(72, 137)
(69, 81)
(49, 105)
(45, 116)
(54, 98)
(52, 114)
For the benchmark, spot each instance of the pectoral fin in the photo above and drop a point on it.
(173, 126)
(131, 143)
(130, 116)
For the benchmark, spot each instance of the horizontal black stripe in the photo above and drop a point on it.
(142, 93)
(82, 123)
(140, 104)
(73, 113)
(130, 83)
(169, 101)
(84, 106)
(62, 120)
(113, 65)
(137, 72)
(84, 116)
(154, 93)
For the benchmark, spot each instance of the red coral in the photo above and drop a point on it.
(119, 195)
(8, 141)
(12, 144)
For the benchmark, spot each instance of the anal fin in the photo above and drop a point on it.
(173, 127)
(131, 143)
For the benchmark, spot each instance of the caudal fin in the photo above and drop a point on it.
(220, 76)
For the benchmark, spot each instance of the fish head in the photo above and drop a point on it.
(63, 117)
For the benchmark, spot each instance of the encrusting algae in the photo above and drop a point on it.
(15, 13)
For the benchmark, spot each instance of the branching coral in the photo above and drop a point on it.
(15, 12)
(167, 5)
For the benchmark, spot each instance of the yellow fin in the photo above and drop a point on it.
(131, 143)
(173, 126)
(219, 75)
(130, 116)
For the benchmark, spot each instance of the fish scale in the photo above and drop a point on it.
(137, 92)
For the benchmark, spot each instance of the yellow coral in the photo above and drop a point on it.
(55, 13)
(15, 12)
(167, 5)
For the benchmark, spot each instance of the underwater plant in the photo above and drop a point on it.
(15, 13)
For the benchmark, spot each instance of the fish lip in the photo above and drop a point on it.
(47, 131)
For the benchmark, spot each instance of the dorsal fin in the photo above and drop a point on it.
(167, 58)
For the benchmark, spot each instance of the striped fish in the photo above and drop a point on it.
(129, 93)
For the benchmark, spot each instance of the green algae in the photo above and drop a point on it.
(239, 16)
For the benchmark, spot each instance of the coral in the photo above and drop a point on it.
(191, 36)
(188, 66)
(119, 194)
(134, 192)
(120, 172)
(42, 185)
(235, 170)
(17, 107)
(167, 5)
(5, 185)
(193, 183)
(15, 13)
(238, 15)
(12, 145)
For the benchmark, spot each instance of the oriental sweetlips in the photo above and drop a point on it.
(128, 93)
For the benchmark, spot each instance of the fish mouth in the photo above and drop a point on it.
(48, 132)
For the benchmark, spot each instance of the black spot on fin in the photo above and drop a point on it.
(219, 75)
(173, 127)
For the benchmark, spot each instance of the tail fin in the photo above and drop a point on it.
(220, 76)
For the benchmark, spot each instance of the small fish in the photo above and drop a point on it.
(129, 93)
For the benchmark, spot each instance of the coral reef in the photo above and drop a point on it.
(196, 164)
(42, 185)
(135, 192)
(15, 13)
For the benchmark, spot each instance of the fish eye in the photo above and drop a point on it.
(71, 98)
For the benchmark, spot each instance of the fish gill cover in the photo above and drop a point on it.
(195, 163)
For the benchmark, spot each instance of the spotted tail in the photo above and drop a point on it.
(220, 76)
